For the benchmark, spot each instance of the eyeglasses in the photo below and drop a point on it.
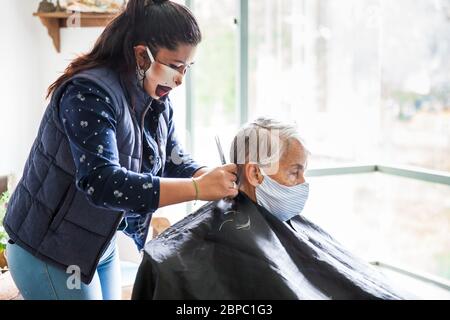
(180, 69)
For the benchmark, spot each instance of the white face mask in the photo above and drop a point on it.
(161, 79)
(282, 201)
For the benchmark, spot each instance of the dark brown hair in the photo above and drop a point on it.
(156, 23)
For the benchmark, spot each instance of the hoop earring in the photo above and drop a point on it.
(140, 76)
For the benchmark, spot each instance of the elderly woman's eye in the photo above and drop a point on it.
(293, 175)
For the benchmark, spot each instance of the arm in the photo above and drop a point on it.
(175, 191)
(200, 172)
(213, 185)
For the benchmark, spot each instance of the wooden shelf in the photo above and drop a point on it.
(54, 21)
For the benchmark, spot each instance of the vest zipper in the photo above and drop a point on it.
(142, 137)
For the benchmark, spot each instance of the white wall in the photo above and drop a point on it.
(28, 65)
(20, 85)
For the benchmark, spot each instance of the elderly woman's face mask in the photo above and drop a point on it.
(283, 201)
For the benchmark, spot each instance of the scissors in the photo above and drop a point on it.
(222, 155)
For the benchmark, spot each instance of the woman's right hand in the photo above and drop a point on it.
(218, 183)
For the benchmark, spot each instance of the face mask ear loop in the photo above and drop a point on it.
(261, 171)
(142, 72)
(152, 60)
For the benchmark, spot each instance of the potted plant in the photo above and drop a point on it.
(3, 235)
(8, 289)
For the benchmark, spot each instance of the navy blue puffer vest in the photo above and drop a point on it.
(47, 215)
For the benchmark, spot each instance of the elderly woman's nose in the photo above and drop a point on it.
(301, 179)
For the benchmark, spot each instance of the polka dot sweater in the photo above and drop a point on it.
(89, 121)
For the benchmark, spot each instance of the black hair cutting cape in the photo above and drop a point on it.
(238, 250)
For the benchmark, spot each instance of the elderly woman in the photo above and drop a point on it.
(257, 246)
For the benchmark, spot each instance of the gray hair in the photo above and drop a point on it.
(263, 141)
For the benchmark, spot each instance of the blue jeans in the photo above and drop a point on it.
(37, 280)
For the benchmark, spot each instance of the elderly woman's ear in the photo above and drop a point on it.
(252, 174)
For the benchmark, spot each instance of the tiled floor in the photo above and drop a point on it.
(8, 290)
(129, 271)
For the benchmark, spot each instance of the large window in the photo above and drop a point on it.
(214, 110)
(367, 81)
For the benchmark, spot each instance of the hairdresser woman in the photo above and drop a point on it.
(106, 157)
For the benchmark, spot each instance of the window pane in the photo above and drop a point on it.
(386, 218)
(363, 83)
(214, 79)
(416, 82)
